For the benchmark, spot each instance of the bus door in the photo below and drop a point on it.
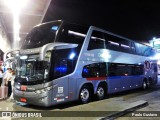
(59, 71)
(63, 64)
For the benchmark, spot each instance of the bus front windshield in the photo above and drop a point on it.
(29, 69)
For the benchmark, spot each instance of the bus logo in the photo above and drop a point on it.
(60, 89)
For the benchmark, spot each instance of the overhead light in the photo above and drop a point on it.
(154, 38)
(15, 4)
(18, 39)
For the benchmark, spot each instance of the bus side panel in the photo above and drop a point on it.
(133, 82)
(60, 93)
(137, 81)
(114, 84)
(126, 82)
(72, 89)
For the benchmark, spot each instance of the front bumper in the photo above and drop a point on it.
(33, 98)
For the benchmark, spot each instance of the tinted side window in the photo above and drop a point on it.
(118, 44)
(133, 48)
(137, 70)
(97, 41)
(112, 42)
(112, 69)
(72, 34)
(63, 63)
(115, 69)
(125, 45)
(123, 70)
(94, 70)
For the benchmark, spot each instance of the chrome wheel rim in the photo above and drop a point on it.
(84, 95)
(100, 92)
(144, 85)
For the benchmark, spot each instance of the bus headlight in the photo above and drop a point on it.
(17, 87)
(43, 99)
(43, 90)
(49, 88)
(38, 91)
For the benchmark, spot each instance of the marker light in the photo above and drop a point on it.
(72, 55)
(54, 28)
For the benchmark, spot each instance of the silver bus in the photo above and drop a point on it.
(61, 62)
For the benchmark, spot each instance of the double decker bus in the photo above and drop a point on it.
(61, 62)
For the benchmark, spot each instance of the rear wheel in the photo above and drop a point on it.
(85, 94)
(144, 84)
(101, 92)
(149, 83)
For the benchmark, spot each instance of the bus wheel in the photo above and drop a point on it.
(149, 83)
(144, 84)
(101, 92)
(85, 95)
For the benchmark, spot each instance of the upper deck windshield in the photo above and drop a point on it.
(57, 31)
(41, 35)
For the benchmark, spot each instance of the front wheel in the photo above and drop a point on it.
(85, 94)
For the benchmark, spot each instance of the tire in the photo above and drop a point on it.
(144, 86)
(101, 92)
(85, 95)
(149, 83)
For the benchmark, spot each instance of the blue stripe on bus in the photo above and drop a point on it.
(113, 77)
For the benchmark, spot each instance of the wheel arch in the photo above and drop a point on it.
(89, 84)
(144, 80)
(103, 83)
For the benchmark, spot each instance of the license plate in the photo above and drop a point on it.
(23, 100)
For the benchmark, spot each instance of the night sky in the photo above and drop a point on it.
(135, 19)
